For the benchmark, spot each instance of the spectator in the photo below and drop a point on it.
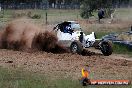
(100, 14)
(85, 77)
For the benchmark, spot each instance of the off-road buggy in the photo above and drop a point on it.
(70, 34)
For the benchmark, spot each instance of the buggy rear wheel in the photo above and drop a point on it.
(106, 48)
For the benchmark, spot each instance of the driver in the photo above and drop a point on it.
(68, 29)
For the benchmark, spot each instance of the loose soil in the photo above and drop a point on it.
(67, 64)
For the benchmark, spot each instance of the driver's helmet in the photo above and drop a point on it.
(68, 27)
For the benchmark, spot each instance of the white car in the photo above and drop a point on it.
(70, 34)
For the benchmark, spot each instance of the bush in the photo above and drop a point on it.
(26, 14)
(86, 11)
(108, 12)
(36, 16)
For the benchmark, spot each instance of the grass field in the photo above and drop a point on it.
(21, 79)
(122, 18)
(120, 49)
(53, 16)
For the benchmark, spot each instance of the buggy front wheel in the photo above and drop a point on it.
(76, 47)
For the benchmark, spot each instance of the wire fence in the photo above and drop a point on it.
(41, 16)
(44, 12)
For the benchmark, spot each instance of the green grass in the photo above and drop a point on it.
(124, 13)
(21, 79)
(101, 34)
(122, 49)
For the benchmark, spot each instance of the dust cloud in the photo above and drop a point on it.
(21, 34)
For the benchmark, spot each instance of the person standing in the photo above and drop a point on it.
(100, 14)
(85, 77)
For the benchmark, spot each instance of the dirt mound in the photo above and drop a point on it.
(24, 35)
(87, 53)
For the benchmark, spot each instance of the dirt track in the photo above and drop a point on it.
(68, 65)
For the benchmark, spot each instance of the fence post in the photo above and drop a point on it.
(46, 18)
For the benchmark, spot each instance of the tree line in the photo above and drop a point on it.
(67, 1)
(93, 3)
(41, 1)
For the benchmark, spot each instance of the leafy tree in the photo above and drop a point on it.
(89, 6)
